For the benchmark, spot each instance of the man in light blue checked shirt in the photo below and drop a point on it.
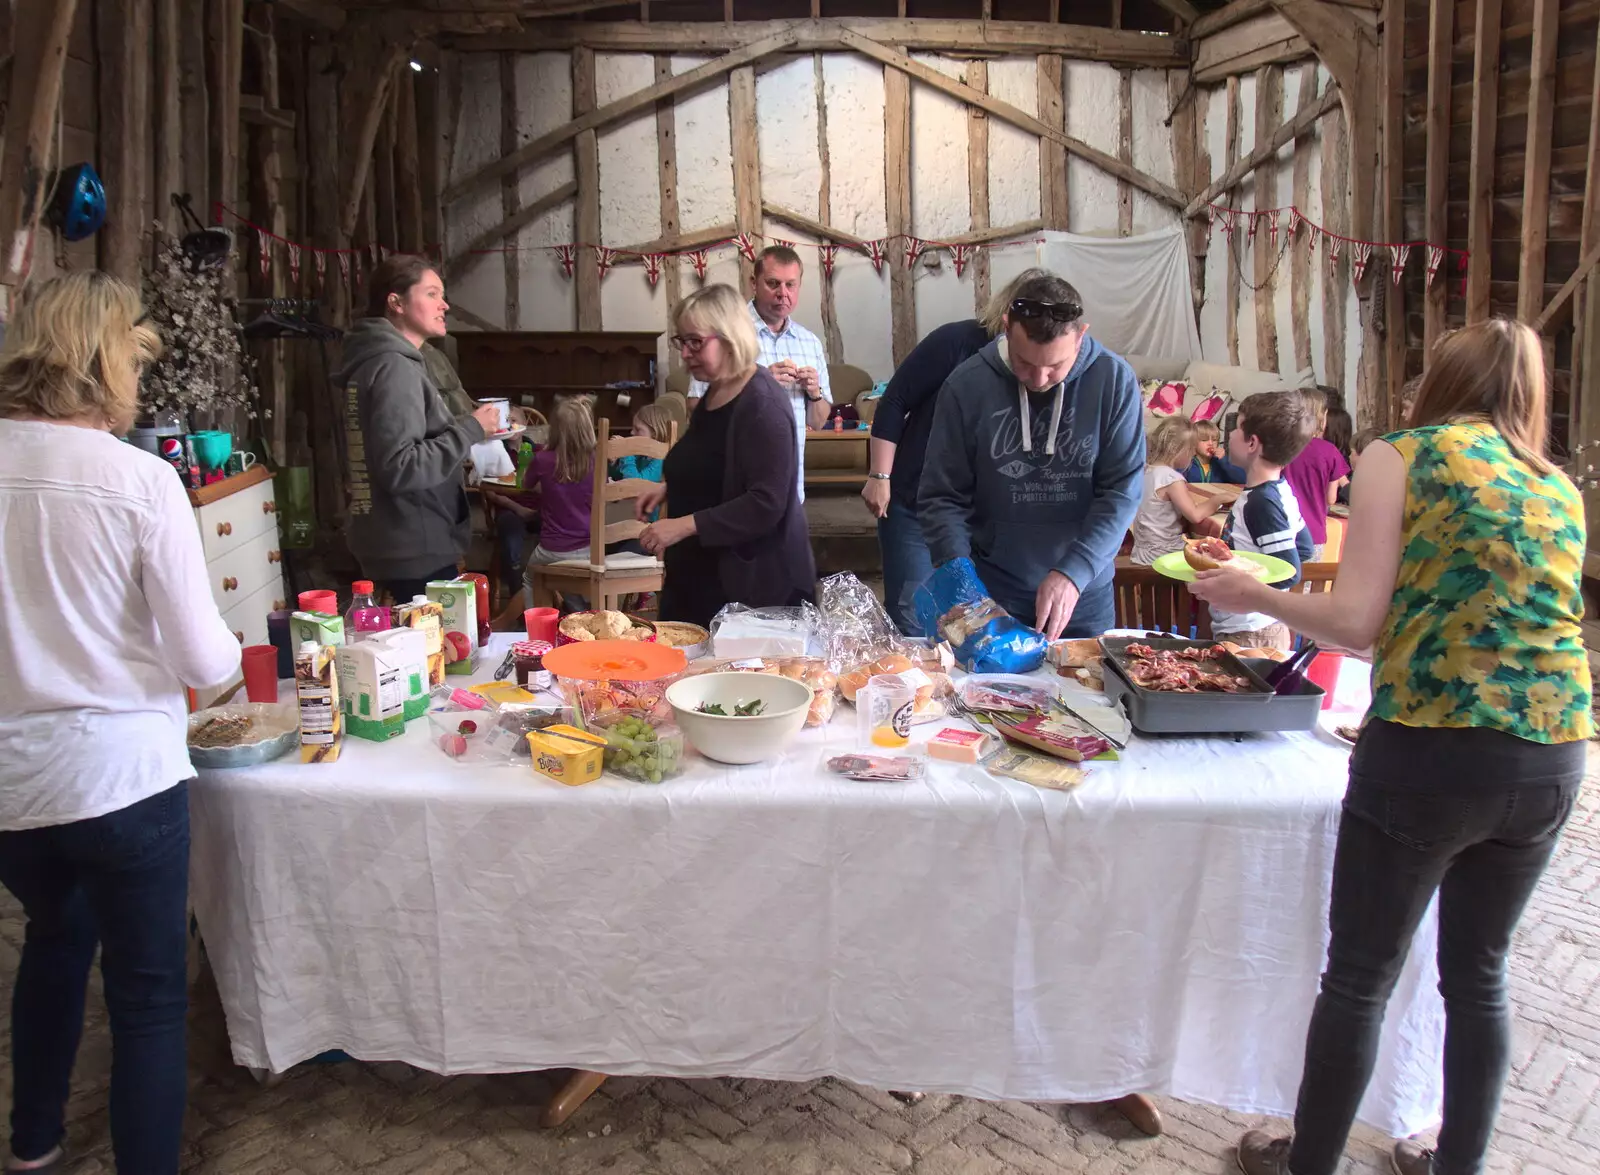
(789, 351)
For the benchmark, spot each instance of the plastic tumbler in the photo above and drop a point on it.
(278, 636)
(541, 623)
(320, 600)
(1324, 671)
(261, 673)
(883, 712)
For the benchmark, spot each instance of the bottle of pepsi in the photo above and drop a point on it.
(172, 453)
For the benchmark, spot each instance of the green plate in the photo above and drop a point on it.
(1175, 566)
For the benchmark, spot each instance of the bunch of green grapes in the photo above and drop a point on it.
(634, 750)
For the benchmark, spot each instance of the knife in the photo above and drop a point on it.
(1118, 743)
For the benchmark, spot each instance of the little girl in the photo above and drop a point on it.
(1167, 503)
(654, 422)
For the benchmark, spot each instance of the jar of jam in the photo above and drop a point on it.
(527, 657)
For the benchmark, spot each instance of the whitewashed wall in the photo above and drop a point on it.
(791, 175)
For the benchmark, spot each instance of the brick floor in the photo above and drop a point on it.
(390, 1119)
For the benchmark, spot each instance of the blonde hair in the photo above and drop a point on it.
(1207, 430)
(1168, 441)
(1491, 371)
(1316, 402)
(994, 313)
(572, 437)
(656, 420)
(74, 348)
(720, 311)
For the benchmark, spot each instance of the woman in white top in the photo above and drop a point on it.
(105, 615)
(1167, 503)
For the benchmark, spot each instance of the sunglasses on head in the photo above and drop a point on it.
(1032, 308)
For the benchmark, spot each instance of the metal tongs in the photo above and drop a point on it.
(1286, 676)
(1120, 744)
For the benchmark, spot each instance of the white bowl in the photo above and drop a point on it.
(734, 739)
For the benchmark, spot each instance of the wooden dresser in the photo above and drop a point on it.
(238, 520)
(533, 368)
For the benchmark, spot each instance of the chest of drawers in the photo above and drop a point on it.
(238, 521)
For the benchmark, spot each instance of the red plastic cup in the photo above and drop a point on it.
(319, 601)
(541, 623)
(1324, 671)
(261, 673)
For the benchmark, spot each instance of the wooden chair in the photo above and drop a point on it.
(1147, 599)
(604, 579)
(1315, 577)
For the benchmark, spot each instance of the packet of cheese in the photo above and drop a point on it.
(1039, 770)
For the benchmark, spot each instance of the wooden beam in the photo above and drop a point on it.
(1269, 113)
(1053, 205)
(1336, 218)
(746, 156)
(195, 101)
(266, 199)
(1125, 150)
(1391, 185)
(39, 54)
(1536, 164)
(1226, 17)
(832, 337)
(667, 194)
(412, 237)
(122, 35)
(1568, 288)
(363, 98)
(586, 275)
(510, 196)
(1586, 343)
(1181, 9)
(807, 224)
(999, 37)
(323, 15)
(428, 90)
(386, 211)
(456, 262)
(1297, 126)
(897, 192)
(1441, 34)
(169, 108)
(1235, 277)
(1009, 113)
(986, 236)
(476, 321)
(699, 238)
(978, 183)
(1264, 39)
(1188, 149)
(592, 120)
(225, 49)
(1485, 111)
(1300, 258)
(254, 112)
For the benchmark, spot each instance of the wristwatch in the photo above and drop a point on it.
(812, 399)
(879, 477)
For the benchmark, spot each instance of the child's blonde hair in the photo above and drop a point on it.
(1170, 439)
(1206, 430)
(656, 420)
(572, 437)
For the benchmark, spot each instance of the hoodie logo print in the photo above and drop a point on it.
(1074, 455)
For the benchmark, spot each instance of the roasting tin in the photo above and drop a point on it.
(1165, 712)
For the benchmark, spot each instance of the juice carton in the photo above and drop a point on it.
(458, 598)
(316, 686)
(378, 678)
(427, 618)
(322, 628)
(566, 754)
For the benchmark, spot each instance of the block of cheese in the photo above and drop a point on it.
(959, 746)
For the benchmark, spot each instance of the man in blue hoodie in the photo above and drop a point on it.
(1035, 463)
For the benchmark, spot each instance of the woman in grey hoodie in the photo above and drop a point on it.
(409, 519)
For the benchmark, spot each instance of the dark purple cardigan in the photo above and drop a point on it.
(759, 530)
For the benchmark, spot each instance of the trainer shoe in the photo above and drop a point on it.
(1410, 1157)
(1261, 1153)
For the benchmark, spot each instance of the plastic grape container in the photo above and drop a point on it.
(638, 750)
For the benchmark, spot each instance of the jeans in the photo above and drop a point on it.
(906, 565)
(511, 536)
(124, 878)
(1475, 815)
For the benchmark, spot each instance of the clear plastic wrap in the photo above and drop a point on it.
(739, 632)
(813, 671)
(954, 606)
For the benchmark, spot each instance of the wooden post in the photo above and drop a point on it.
(746, 157)
(225, 46)
(1536, 168)
(363, 101)
(1235, 278)
(1269, 113)
(510, 197)
(667, 181)
(1336, 218)
(1394, 302)
(978, 182)
(267, 205)
(169, 110)
(1441, 39)
(1485, 112)
(40, 54)
(897, 191)
(194, 98)
(586, 276)
(123, 47)
(386, 219)
(1187, 145)
(1586, 344)
(427, 89)
(1299, 256)
(326, 404)
(832, 337)
(1053, 205)
(1125, 152)
(410, 235)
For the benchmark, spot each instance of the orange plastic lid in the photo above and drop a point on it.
(615, 661)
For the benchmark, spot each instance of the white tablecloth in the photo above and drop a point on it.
(1161, 928)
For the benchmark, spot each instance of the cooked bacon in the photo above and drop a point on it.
(1178, 671)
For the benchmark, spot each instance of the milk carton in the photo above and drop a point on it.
(426, 617)
(376, 679)
(458, 600)
(322, 628)
(411, 647)
(316, 687)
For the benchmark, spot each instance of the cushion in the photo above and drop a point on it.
(1243, 382)
(619, 562)
(1155, 367)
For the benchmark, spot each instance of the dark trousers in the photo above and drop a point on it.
(122, 878)
(511, 533)
(1474, 815)
(906, 565)
(403, 591)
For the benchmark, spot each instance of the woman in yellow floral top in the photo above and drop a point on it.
(1461, 574)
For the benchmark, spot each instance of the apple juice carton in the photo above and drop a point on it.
(426, 617)
(322, 628)
(316, 687)
(458, 599)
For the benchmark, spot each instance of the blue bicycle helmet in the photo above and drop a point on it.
(79, 208)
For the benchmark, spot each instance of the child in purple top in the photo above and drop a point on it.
(563, 471)
(1315, 474)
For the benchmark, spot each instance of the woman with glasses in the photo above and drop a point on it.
(734, 530)
(106, 613)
